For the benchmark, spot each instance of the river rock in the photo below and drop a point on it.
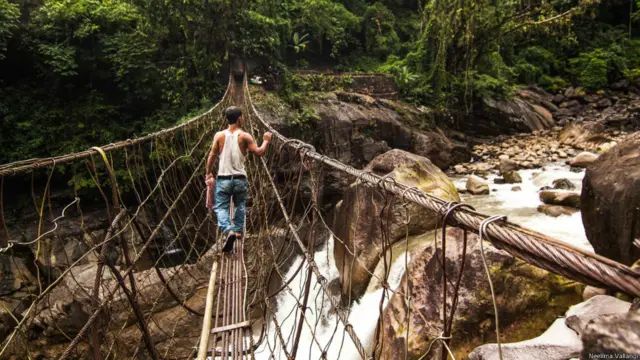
(603, 103)
(558, 98)
(477, 185)
(520, 289)
(560, 197)
(14, 275)
(435, 146)
(507, 165)
(17, 282)
(563, 184)
(512, 177)
(460, 169)
(509, 171)
(579, 316)
(583, 159)
(617, 335)
(610, 202)
(556, 210)
(358, 220)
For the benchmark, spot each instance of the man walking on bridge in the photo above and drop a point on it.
(232, 146)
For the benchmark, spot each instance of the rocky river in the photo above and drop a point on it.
(545, 178)
(521, 206)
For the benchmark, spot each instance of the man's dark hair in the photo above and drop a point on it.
(232, 113)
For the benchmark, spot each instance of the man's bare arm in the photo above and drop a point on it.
(211, 159)
(254, 148)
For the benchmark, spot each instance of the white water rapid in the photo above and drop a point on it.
(521, 206)
(322, 322)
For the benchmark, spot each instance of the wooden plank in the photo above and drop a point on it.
(239, 325)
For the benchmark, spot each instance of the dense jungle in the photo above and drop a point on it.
(90, 72)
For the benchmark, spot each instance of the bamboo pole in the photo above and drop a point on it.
(206, 323)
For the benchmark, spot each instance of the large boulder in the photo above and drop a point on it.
(580, 315)
(616, 335)
(522, 292)
(527, 111)
(557, 343)
(611, 200)
(562, 339)
(585, 135)
(343, 116)
(367, 218)
(435, 146)
(354, 128)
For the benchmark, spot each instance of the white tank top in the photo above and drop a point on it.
(231, 157)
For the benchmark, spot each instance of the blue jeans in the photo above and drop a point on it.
(226, 189)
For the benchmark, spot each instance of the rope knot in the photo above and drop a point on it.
(450, 207)
(387, 178)
(322, 280)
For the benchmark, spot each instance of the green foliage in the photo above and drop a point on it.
(468, 50)
(88, 72)
(326, 20)
(299, 43)
(257, 35)
(591, 69)
(9, 15)
(379, 25)
(411, 85)
(596, 68)
(303, 84)
(484, 85)
(405, 77)
(304, 119)
(60, 58)
(552, 83)
(534, 62)
(633, 74)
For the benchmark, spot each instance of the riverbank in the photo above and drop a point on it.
(533, 150)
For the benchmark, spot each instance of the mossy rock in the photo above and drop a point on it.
(528, 300)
